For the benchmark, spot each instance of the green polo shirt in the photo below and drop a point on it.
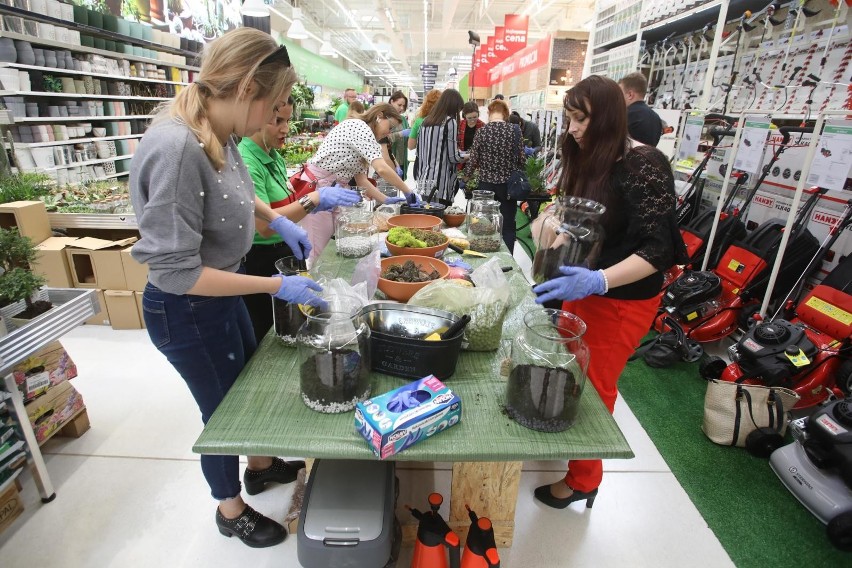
(415, 128)
(269, 174)
(341, 112)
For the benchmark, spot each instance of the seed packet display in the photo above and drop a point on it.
(398, 419)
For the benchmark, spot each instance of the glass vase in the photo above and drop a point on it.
(572, 236)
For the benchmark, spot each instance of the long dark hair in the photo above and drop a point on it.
(399, 95)
(449, 105)
(586, 171)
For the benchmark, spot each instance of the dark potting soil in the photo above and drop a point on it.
(288, 318)
(334, 377)
(542, 398)
(38, 308)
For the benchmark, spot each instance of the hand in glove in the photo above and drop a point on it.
(405, 133)
(529, 151)
(576, 284)
(293, 235)
(394, 200)
(297, 290)
(412, 198)
(462, 184)
(399, 171)
(336, 196)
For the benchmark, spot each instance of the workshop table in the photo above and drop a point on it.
(263, 415)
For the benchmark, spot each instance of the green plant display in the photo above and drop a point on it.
(534, 168)
(303, 97)
(24, 187)
(335, 102)
(52, 84)
(17, 282)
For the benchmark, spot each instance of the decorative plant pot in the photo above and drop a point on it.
(8, 53)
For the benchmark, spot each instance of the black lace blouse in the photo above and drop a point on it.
(641, 220)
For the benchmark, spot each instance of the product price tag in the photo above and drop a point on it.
(833, 159)
(752, 144)
(691, 136)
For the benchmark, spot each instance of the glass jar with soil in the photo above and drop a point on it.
(485, 226)
(287, 318)
(334, 361)
(548, 371)
(355, 234)
(571, 236)
(477, 196)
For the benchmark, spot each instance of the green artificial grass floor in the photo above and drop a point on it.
(757, 520)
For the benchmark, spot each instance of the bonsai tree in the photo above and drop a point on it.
(17, 282)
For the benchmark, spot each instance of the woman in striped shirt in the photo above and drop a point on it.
(437, 150)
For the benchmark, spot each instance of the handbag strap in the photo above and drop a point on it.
(738, 412)
(773, 401)
(519, 142)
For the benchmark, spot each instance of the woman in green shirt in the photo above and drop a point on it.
(271, 184)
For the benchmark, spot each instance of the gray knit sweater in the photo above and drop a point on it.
(190, 216)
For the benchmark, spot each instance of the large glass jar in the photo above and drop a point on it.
(485, 226)
(572, 236)
(355, 234)
(334, 361)
(287, 318)
(548, 371)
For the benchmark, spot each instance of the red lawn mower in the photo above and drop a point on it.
(707, 303)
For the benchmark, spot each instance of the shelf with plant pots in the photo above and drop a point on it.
(86, 163)
(35, 94)
(107, 35)
(58, 71)
(74, 141)
(16, 120)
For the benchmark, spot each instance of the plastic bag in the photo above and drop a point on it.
(486, 304)
(365, 277)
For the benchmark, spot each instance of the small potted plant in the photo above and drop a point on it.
(18, 285)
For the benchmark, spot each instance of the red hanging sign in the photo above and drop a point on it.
(532, 57)
(515, 32)
(501, 52)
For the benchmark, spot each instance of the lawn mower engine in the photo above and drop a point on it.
(817, 468)
(693, 295)
(773, 352)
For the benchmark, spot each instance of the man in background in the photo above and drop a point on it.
(529, 130)
(349, 96)
(643, 124)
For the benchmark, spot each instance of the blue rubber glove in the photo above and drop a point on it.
(399, 171)
(462, 184)
(394, 200)
(405, 133)
(529, 151)
(412, 198)
(577, 283)
(336, 196)
(293, 235)
(297, 290)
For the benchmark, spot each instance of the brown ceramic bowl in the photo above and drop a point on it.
(402, 291)
(454, 220)
(436, 251)
(415, 221)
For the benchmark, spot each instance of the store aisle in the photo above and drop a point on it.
(130, 492)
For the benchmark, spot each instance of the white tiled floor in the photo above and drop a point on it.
(130, 491)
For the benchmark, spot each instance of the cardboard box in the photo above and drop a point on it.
(398, 419)
(30, 218)
(102, 316)
(96, 263)
(52, 262)
(51, 411)
(122, 309)
(77, 427)
(45, 368)
(11, 506)
(135, 273)
(139, 309)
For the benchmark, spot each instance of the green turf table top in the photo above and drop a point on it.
(263, 414)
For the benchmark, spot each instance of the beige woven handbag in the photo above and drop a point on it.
(733, 410)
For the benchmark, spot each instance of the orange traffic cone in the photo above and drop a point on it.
(433, 535)
(480, 550)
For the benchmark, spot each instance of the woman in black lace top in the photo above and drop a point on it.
(619, 300)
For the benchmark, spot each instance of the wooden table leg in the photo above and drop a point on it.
(491, 490)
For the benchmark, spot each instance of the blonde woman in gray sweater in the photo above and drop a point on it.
(196, 208)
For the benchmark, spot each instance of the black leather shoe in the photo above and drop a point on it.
(544, 495)
(279, 472)
(252, 528)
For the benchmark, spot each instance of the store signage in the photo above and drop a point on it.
(489, 47)
(515, 32)
(529, 58)
(500, 50)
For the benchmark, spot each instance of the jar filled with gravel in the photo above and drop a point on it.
(334, 361)
(548, 371)
(484, 226)
(356, 235)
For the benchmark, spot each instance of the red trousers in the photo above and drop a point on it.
(614, 329)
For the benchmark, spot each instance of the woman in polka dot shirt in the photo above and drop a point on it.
(349, 151)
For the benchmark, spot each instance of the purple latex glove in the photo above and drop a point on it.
(405, 133)
(297, 290)
(529, 151)
(394, 200)
(293, 236)
(576, 284)
(336, 196)
(458, 264)
(412, 198)
(399, 171)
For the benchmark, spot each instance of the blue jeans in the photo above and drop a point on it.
(208, 340)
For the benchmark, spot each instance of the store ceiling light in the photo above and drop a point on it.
(326, 50)
(255, 9)
(297, 28)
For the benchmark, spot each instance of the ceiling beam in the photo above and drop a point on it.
(449, 12)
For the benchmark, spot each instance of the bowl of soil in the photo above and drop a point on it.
(415, 221)
(454, 216)
(402, 276)
(437, 244)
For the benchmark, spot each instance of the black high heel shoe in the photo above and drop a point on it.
(544, 495)
(279, 472)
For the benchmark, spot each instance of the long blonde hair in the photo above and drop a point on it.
(381, 110)
(428, 102)
(229, 66)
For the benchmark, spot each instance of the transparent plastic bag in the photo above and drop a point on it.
(486, 304)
